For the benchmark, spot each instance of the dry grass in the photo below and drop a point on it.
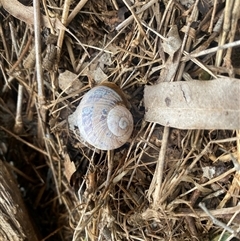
(151, 188)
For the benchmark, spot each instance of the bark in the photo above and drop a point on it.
(15, 224)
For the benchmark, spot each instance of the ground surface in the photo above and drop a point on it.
(151, 187)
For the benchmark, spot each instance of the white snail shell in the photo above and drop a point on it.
(103, 119)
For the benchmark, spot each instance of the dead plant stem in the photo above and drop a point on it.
(48, 18)
(187, 41)
(57, 184)
(225, 30)
(110, 167)
(141, 154)
(130, 18)
(23, 141)
(158, 175)
(138, 24)
(238, 146)
(234, 24)
(65, 12)
(211, 50)
(213, 16)
(215, 220)
(18, 118)
(4, 43)
(18, 126)
(39, 72)
(76, 10)
(21, 56)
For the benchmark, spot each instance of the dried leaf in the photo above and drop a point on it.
(29, 62)
(68, 82)
(211, 104)
(98, 75)
(173, 42)
(211, 172)
(69, 167)
(105, 59)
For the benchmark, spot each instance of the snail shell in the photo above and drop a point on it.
(103, 118)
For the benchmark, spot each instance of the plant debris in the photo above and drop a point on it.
(210, 104)
(164, 183)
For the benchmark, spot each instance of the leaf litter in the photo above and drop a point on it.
(157, 186)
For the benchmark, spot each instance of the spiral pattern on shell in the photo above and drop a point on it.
(103, 119)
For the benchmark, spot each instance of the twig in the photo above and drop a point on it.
(18, 126)
(47, 16)
(23, 141)
(4, 43)
(65, 12)
(152, 126)
(215, 220)
(238, 147)
(234, 24)
(14, 42)
(110, 167)
(189, 212)
(18, 118)
(138, 24)
(39, 72)
(187, 41)
(76, 11)
(213, 16)
(49, 151)
(158, 175)
(225, 30)
(230, 221)
(211, 50)
(130, 18)
(21, 56)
